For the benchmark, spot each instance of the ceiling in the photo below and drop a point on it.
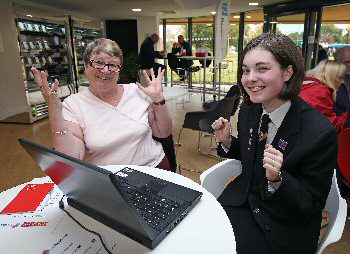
(121, 9)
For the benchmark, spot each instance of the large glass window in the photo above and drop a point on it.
(334, 28)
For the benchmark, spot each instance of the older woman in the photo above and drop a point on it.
(320, 87)
(109, 123)
(288, 152)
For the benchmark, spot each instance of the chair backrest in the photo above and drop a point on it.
(225, 108)
(215, 178)
(337, 208)
(173, 61)
(343, 154)
(169, 150)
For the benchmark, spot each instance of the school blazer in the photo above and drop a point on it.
(291, 217)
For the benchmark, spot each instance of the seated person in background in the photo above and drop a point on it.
(320, 87)
(342, 102)
(180, 48)
(101, 124)
(275, 204)
(148, 55)
(343, 55)
(322, 54)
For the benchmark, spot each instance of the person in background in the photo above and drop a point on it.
(148, 55)
(322, 54)
(320, 87)
(182, 48)
(275, 204)
(343, 55)
(109, 123)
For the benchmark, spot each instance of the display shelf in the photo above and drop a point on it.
(39, 106)
(82, 37)
(44, 46)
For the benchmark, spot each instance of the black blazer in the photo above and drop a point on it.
(291, 217)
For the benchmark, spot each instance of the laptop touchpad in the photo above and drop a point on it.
(154, 186)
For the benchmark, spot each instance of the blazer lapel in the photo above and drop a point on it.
(287, 133)
(248, 136)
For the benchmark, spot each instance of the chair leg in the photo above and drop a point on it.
(205, 153)
(178, 141)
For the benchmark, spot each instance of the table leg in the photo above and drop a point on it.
(204, 79)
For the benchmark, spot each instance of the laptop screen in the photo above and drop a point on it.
(84, 183)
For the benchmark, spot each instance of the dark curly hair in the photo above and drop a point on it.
(286, 53)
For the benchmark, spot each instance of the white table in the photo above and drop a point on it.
(204, 59)
(206, 229)
(172, 93)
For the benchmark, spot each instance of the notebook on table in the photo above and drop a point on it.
(140, 206)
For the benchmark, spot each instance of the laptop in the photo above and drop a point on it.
(140, 206)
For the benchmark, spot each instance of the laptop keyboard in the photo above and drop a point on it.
(154, 208)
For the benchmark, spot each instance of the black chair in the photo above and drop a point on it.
(169, 150)
(201, 120)
(233, 91)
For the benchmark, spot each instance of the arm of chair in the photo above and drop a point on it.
(215, 178)
(337, 208)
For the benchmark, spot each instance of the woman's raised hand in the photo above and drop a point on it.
(154, 89)
(49, 92)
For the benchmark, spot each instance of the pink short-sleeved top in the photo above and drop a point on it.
(115, 135)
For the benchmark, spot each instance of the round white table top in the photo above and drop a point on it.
(206, 228)
(171, 92)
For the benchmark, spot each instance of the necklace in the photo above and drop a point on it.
(116, 99)
(114, 103)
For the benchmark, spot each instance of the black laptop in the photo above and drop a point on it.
(140, 206)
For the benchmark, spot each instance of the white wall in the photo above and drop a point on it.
(13, 100)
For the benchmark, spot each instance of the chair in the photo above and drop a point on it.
(169, 150)
(337, 208)
(233, 91)
(225, 108)
(343, 155)
(215, 178)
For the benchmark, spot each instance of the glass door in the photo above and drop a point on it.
(302, 27)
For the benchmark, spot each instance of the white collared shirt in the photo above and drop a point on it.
(276, 117)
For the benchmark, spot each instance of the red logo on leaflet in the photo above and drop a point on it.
(34, 224)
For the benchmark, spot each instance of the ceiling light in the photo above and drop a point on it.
(236, 17)
(136, 9)
(253, 3)
(248, 17)
(28, 15)
(213, 12)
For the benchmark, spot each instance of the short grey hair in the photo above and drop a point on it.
(102, 45)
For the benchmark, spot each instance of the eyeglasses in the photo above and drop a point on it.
(101, 65)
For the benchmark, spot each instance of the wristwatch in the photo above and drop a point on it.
(278, 178)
